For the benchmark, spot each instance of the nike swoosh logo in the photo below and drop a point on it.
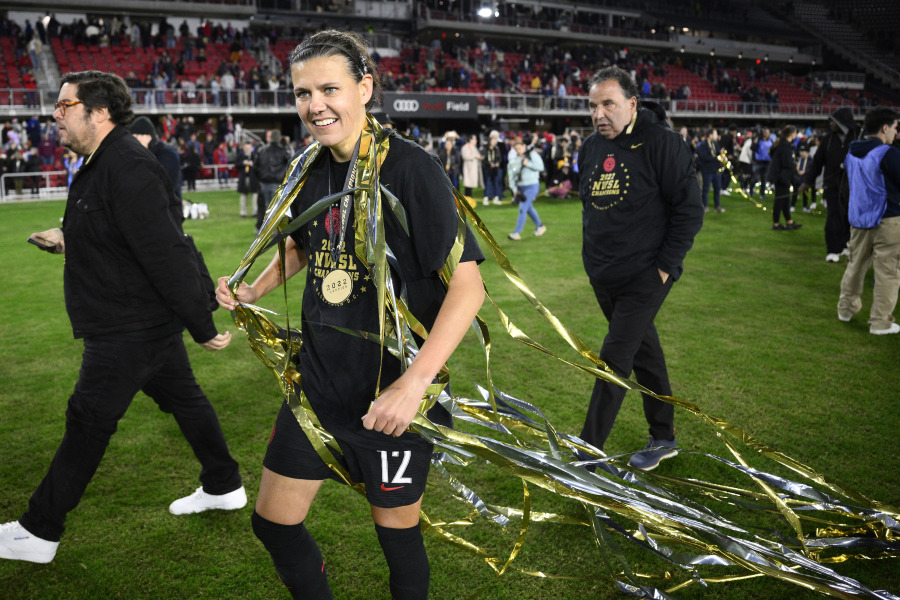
(633, 146)
(387, 489)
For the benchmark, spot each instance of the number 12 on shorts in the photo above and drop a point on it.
(399, 475)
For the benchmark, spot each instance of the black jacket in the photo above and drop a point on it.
(708, 156)
(641, 201)
(831, 153)
(128, 269)
(170, 161)
(271, 163)
(248, 183)
(781, 168)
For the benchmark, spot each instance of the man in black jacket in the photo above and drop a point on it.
(271, 162)
(641, 211)
(830, 158)
(708, 158)
(131, 286)
(142, 128)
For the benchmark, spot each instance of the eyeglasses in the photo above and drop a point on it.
(62, 106)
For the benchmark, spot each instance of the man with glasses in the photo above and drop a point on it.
(131, 286)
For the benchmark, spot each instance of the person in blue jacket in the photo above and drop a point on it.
(873, 177)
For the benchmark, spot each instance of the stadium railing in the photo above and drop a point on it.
(156, 101)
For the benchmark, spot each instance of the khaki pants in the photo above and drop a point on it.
(244, 204)
(878, 247)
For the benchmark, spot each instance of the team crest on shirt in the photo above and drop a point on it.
(609, 182)
(333, 221)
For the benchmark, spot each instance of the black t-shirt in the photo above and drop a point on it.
(340, 371)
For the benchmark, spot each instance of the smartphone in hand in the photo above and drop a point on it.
(40, 244)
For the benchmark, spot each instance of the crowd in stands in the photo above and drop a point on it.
(215, 64)
(554, 17)
(208, 150)
(29, 147)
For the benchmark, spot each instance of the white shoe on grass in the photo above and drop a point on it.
(17, 543)
(200, 501)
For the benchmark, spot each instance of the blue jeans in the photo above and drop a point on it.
(527, 208)
(112, 372)
(493, 184)
(714, 180)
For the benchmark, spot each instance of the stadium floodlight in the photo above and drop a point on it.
(486, 11)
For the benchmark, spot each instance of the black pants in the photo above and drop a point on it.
(631, 344)
(112, 372)
(758, 173)
(837, 223)
(782, 203)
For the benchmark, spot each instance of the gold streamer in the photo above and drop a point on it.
(735, 184)
(524, 444)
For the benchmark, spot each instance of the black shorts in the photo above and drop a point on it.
(394, 470)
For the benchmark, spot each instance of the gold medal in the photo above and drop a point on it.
(337, 286)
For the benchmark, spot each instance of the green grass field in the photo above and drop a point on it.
(751, 335)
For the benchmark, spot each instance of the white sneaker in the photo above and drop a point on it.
(812, 206)
(894, 328)
(845, 252)
(17, 543)
(832, 257)
(497, 200)
(200, 501)
(486, 201)
(540, 230)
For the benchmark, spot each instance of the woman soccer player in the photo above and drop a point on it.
(335, 82)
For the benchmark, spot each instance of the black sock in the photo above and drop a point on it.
(405, 553)
(297, 558)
